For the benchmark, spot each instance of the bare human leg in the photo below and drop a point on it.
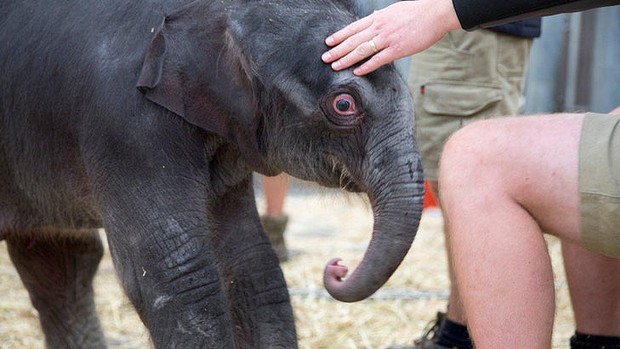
(503, 182)
(275, 220)
(594, 285)
(455, 310)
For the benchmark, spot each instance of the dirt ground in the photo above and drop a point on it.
(323, 224)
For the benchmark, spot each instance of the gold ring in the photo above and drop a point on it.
(373, 46)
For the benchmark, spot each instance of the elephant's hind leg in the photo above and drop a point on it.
(58, 272)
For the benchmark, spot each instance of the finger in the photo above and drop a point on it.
(364, 50)
(340, 51)
(357, 43)
(349, 31)
(376, 61)
(359, 53)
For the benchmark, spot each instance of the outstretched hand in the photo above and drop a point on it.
(397, 31)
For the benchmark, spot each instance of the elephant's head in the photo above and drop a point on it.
(258, 81)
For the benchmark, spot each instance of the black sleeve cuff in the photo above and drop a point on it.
(473, 14)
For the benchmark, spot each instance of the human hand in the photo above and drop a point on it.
(399, 30)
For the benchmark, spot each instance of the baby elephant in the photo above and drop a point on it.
(147, 118)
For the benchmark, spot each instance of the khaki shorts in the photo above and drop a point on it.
(599, 183)
(466, 76)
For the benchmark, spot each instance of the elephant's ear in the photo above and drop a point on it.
(196, 78)
(166, 91)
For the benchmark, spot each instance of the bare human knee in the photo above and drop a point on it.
(467, 163)
(527, 161)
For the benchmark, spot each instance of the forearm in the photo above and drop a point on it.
(484, 13)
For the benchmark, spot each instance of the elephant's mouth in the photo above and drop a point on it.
(344, 177)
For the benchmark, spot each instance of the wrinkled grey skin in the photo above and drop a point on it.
(114, 116)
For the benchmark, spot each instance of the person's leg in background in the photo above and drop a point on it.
(449, 329)
(467, 76)
(275, 219)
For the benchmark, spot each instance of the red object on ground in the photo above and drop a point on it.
(429, 198)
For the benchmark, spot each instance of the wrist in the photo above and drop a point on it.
(447, 14)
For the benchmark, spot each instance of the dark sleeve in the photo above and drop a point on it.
(484, 13)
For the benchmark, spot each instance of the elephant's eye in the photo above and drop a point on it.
(343, 108)
(344, 104)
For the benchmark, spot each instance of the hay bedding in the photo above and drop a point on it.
(322, 225)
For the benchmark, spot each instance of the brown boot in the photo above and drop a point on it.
(275, 227)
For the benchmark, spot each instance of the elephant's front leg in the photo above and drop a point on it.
(160, 248)
(258, 294)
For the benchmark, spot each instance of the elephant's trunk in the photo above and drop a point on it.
(397, 206)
